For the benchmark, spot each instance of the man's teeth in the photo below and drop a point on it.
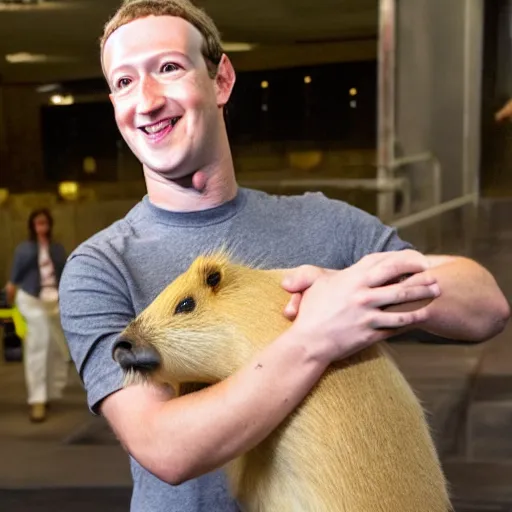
(154, 128)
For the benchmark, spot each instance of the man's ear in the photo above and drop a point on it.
(224, 81)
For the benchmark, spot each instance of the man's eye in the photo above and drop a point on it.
(168, 68)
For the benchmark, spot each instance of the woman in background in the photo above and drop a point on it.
(36, 271)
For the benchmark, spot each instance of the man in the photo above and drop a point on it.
(169, 83)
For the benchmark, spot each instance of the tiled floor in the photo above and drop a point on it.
(66, 500)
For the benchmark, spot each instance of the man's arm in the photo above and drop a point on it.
(186, 437)
(181, 438)
(471, 305)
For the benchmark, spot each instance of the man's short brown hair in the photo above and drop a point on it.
(131, 10)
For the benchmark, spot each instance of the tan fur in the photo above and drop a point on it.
(358, 443)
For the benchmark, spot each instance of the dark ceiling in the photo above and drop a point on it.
(66, 32)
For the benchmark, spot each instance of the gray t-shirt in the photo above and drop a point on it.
(118, 272)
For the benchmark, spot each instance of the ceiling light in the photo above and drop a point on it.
(307, 80)
(59, 99)
(48, 88)
(21, 2)
(264, 84)
(237, 47)
(24, 57)
(26, 5)
(31, 58)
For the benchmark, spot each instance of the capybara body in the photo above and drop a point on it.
(359, 442)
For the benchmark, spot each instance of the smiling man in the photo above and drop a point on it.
(169, 82)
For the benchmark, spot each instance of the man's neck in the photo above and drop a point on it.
(201, 191)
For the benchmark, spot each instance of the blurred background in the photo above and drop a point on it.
(389, 105)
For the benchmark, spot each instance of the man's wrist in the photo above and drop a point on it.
(308, 347)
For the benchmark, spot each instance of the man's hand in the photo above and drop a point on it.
(343, 310)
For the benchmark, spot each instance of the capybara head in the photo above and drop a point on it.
(204, 325)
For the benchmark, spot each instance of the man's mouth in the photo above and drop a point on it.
(157, 128)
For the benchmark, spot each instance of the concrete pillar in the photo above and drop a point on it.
(437, 94)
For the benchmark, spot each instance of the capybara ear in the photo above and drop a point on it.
(211, 271)
(212, 276)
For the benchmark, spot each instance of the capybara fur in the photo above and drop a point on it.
(359, 442)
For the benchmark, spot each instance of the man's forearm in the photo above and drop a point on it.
(471, 305)
(194, 434)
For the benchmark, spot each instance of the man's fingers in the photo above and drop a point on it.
(400, 294)
(396, 266)
(301, 278)
(420, 279)
(292, 308)
(387, 320)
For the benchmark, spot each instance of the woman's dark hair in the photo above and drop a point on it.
(31, 222)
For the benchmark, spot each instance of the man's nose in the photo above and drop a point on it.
(138, 358)
(151, 96)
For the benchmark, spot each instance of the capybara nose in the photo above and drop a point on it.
(137, 358)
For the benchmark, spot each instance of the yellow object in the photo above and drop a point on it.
(89, 165)
(305, 160)
(4, 195)
(69, 190)
(20, 326)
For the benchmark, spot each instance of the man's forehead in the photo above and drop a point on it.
(151, 34)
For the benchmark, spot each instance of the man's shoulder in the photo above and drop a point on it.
(304, 200)
(308, 203)
(102, 240)
(108, 243)
(110, 239)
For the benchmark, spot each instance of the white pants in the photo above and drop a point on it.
(45, 353)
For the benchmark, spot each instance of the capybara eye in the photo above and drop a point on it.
(185, 306)
(213, 279)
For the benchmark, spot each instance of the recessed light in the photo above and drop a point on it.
(24, 57)
(237, 47)
(48, 88)
(36, 58)
(59, 99)
(33, 5)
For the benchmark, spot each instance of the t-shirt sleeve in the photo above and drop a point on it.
(361, 233)
(95, 307)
